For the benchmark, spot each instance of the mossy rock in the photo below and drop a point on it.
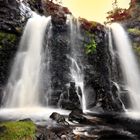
(11, 38)
(136, 48)
(134, 31)
(91, 47)
(21, 130)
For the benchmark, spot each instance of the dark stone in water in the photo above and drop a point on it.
(73, 95)
(77, 116)
(125, 99)
(114, 135)
(69, 98)
(58, 118)
(117, 102)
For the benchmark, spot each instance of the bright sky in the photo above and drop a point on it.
(94, 10)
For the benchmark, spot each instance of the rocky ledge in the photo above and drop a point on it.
(76, 126)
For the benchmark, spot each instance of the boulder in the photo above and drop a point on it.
(77, 116)
(60, 119)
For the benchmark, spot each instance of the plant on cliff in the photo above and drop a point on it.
(135, 9)
(22, 130)
(91, 47)
(6, 36)
(134, 31)
(117, 13)
(54, 7)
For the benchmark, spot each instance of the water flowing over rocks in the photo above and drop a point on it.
(103, 87)
(96, 65)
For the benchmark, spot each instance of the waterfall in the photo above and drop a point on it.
(25, 10)
(23, 87)
(128, 64)
(111, 44)
(76, 67)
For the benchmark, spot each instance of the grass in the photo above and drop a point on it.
(21, 130)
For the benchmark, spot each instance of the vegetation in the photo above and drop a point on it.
(11, 38)
(90, 26)
(117, 14)
(120, 14)
(134, 31)
(136, 47)
(91, 47)
(6, 38)
(22, 130)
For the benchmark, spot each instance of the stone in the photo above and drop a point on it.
(77, 116)
(69, 98)
(60, 119)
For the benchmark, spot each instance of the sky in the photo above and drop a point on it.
(93, 10)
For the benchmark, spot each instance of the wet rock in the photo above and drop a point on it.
(58, 118)
(115, 135)
(95, 66)
(73, 95)
(77, 116)
(36, 5)
(59, 64)
(69, 99)
(8, 47)
(126, 99)
(118, 104)
(41, 133)
(9, 16)
(58, 132)
(51, 8)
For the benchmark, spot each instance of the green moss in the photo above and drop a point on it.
(134, 31)
(11, 38)
(91, 47)
(136, 47)
(94, 24)
(22, 130)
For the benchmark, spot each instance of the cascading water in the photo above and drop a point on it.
(111, 44)
(25, 10)
(76, 66)
(23, 87)
(128, 63)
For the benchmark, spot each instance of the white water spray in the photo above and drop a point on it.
(75, 69)
(128, 63)
(23, 87)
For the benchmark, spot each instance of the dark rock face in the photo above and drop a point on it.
(59, 118)
(9, 37)
(59, 65)
(77, 116)
(8, 48)
(69, 98)
(96, 65)
(97, 72)
(9, 16)
(36, 5)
